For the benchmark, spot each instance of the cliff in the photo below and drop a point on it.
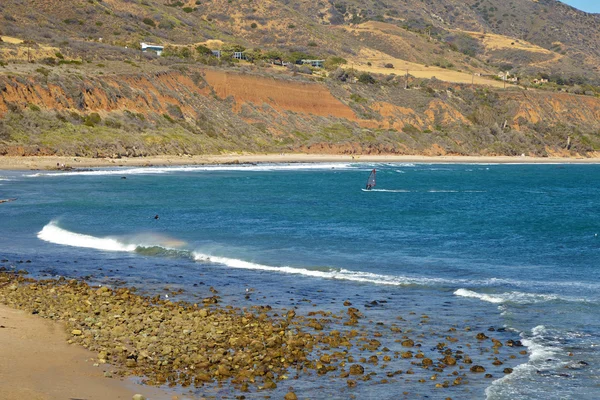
(194, 110)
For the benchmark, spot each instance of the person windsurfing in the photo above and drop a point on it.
(371, 180)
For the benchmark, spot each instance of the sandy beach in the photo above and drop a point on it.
(56, 162)
(36, 362)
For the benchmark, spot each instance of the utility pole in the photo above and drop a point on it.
(406, 83)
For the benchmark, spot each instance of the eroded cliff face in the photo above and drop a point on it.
(213, 111)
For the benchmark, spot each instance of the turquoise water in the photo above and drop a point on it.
(512, 246)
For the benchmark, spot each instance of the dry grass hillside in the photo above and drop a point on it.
(73, 79)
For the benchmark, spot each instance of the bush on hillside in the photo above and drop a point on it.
(367, 78)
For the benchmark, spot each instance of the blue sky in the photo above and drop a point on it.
(591, 6)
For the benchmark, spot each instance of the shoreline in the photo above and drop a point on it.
(61, 162)
(38, 363)
(270, 345)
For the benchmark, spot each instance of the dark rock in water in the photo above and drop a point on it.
(514, 343)
(508, 370)
(491, 329)
(481, 336)
(477, 368)
(576, 365)
(501, 330)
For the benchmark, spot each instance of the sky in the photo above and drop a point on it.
(591, 6)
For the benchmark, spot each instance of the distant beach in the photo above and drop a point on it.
(62, 162)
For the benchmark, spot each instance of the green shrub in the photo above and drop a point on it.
(43, 71)
(253, 25)
(203, 50)
(33, 107)
(149, 22)
(357, 98)
(188, 9)
(365, 77)
(92, 119)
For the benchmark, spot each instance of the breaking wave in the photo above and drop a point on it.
(54, 234)
(515, 297)
(199, 168)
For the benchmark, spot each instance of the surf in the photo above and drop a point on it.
(203, 168)
(53, 233)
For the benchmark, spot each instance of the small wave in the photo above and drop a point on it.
(515, 297)
(322, 272)
(203, 168)
(54, 234)
(387, 190)
(544, 355)
(145, 244)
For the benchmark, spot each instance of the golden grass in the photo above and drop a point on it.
(379, 59)
(11, 40)
(492, 41)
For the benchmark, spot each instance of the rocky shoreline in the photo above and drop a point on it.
(257, 348)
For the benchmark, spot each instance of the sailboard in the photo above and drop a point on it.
(371, 180)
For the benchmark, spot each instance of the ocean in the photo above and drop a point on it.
(509, 250)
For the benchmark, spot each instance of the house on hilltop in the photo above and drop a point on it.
(313, 63)
(146, 47)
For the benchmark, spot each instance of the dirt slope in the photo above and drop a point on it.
(214, 111)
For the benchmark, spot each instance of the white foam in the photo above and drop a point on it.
(542, 356)
(516, 297)
(387, 190)
(342, 274)
(54, 234)
(200, 168)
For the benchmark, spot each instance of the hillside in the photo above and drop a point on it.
(401, 77)
(205, 110)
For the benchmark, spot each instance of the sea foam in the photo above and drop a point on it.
(516, 297)
(200, 168)
(54, 234)
(544, 355)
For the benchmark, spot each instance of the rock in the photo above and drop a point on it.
(514, 343)
(449, 360)
(351, 383)
(357, 369)
(408, 343)
(481, 336)
(139, 397)
(426, 362)
(325, 359)
(290, 396)
(76, 332)
(508, 370)
(477, 368)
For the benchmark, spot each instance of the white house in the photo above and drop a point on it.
(152, 47)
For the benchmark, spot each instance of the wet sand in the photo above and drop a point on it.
(55, 162)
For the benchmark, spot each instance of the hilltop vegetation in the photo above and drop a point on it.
(408, 76)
